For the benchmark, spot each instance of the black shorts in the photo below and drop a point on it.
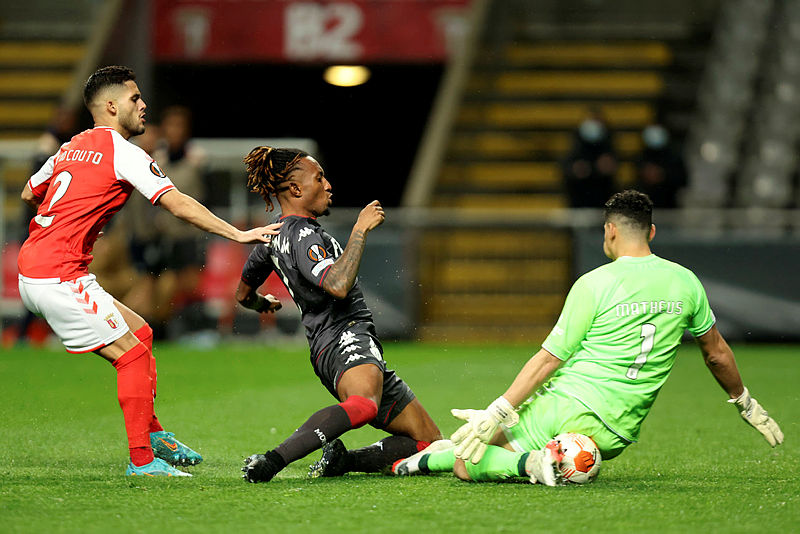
(358, 345)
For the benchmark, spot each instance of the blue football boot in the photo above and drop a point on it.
(156, 468)
(166, 447)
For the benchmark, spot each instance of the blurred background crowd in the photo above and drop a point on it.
(492, 130)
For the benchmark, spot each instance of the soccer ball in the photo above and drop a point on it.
(581, 462)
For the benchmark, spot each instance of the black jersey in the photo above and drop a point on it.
(302, 255)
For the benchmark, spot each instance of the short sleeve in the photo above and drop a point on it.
(133, 165)
(312, 258)
(573, 323)
(258, 266)
(702, 318)
(40, 181)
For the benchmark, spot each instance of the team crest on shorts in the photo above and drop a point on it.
(110, 320)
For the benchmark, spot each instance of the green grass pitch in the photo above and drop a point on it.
(63, 451)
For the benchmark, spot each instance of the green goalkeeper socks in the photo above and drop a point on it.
(438, 462)
(498, 464)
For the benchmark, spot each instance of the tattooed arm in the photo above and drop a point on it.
(342, 276)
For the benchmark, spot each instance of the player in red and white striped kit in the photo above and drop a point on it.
(76, 192)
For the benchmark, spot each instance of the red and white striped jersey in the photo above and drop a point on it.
(81, 187)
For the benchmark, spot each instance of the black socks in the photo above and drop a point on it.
(381, 455)
(325, 425)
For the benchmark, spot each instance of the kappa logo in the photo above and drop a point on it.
(317, 252)
(304, 232)
(375, 350)
(355, 357)
(350, 348)
(347, 338)
(337, 248)
(155, 169)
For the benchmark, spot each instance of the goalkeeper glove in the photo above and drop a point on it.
(471, 439)
(752, 412)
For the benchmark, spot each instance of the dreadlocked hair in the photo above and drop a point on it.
(268, 168)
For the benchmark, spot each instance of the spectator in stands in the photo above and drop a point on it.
(660, 171)
(168, 255)
(591, 165)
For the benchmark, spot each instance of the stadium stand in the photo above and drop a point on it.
(525, 93)
(770, 157)
(486, 251)
(725, 99)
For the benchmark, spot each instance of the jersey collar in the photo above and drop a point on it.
(636, 259)
(296, 215)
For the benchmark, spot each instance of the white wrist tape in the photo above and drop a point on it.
(742, 401)
(503, 411)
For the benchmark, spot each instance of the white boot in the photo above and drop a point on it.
(410, 466)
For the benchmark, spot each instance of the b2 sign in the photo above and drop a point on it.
(304, 31)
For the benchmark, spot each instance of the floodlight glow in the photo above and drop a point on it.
(346, 75)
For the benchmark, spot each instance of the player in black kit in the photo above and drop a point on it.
(345, 351)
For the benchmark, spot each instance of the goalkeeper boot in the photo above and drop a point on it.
(156, 468)
(332, 463)
(166, 447)
(417, 464)
(262, 467)
(543, 466)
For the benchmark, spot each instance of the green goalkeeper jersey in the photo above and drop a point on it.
(619, 332)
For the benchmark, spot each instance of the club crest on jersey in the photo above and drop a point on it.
(155, 169)
(317, 252)
(110, 320)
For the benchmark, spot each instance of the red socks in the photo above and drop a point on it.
(135, 394)
(145, 335)
(360, 410)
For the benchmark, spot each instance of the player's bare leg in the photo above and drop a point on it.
(412, 430)
(359, 388)
(460, 470)
(415, 423)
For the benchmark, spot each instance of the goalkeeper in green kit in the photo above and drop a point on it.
(606, 359)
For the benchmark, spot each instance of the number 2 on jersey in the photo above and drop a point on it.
(648, 335)
(63, 180)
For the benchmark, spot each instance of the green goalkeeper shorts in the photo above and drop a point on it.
(551, 412)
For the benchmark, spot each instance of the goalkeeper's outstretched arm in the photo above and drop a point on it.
(481, 425)
(720, 361)
(533, 374)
